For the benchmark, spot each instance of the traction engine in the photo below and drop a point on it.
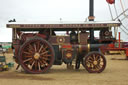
(38, 46)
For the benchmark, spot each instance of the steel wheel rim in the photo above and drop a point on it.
(95, 63)
(36, 56)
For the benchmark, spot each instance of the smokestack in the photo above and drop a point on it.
(91, 18)
(91, 10)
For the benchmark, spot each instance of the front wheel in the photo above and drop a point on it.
(94, 62)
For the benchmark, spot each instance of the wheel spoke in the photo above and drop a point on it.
(40, 48)
(44, 49)
(45, 62)
(39, 66)
(31, 48)
(33, 63)
(27, 53)
(101, 63)
(98, 60)
(94, 58)
(30, 51)
(91, 65)
(90, 61)
(94, 67)
(38, 45)
(35, 48)
(36, 65)
(44, 52)
(42, 64)
(97, 67)
(90, 57)
(28, 56)
(27, 60)
(44, 58)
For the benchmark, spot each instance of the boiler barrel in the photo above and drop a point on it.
(88, 47)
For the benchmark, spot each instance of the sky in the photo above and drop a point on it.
(53, 10)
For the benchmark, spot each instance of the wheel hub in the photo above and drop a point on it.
(95, 62)
(36, 56)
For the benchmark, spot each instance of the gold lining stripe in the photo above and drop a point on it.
(88, 47)
(80, 48)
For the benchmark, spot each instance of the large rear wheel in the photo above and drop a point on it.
(94, 62)
(36, 55)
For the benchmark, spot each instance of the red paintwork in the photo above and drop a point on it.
(122, 46)
(67, 46)
(119, 49)
(42, 36)
(111, 46)
(111, 1)
(24, 37)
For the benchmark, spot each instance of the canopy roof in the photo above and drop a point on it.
(90, 24)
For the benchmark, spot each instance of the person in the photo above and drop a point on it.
(73, 37)
(84, 37)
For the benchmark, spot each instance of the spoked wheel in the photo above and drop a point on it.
(36, 55)
(95, 62)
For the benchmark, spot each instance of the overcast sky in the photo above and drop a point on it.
(53, 10)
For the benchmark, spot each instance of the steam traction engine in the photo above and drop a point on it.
(38, 47)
